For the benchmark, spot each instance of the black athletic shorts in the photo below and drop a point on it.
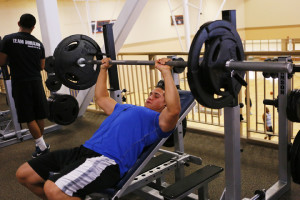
(78, 171)
(30, 100)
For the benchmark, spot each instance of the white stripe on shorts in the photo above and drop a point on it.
(83, 174)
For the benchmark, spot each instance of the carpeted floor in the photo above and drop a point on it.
(259, 164)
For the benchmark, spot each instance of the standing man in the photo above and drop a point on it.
(25, 55)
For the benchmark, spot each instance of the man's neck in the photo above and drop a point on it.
(25, 30)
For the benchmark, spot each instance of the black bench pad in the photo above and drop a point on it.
(190, 182)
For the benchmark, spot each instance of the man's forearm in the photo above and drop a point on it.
(101, 87)
(171, 94)
(102, 98)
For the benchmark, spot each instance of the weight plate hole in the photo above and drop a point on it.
(71, 78)
(72, 46)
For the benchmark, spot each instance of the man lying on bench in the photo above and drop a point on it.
(113, 149)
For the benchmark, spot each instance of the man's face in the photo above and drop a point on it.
(156, 100)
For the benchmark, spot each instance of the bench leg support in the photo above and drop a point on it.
(203, 192)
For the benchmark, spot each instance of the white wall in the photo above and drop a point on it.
(265, 13)
(153, 30)
(75, 21)
(154, 24)
(10, 12)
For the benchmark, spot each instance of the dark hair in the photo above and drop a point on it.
(27, 21)
(160, 84)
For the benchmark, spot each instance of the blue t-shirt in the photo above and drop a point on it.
(123, 135)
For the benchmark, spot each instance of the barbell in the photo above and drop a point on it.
(177, 65)
(214, 79)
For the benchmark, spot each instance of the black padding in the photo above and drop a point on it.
(186, 99)
(170, 141)
(191, 182)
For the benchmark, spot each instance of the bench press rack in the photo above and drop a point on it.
(232, 150)
(283, 183)
(145, 178)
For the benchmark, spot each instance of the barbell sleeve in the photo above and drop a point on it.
(296, 68)
(285, 67)
(180, 64)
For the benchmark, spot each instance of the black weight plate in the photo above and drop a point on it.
(52, 83)
(297, 106)
(49, 64)
(289, 109)
(295, 159)
(293, 106)
(66, 55)
(219, 50)
(63, 109)
(200, 77)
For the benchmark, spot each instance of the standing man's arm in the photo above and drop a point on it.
(42, 58)
(170, 115)
(42, 64)
(3, 56)
(102, 98)
(3, 59)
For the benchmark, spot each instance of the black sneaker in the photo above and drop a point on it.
(38, 151)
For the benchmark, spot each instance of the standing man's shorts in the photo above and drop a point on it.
(30, 100)
(78, 171)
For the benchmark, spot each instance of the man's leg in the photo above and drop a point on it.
(36, 129)
(30, 179)
(54, 192)
(41, 125)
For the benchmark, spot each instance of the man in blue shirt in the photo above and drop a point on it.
(102, 160)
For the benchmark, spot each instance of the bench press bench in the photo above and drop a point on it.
(149, 168)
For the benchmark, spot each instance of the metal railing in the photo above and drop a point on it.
(140, 80)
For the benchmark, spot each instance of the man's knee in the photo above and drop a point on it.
(52, 191)
(25, 174)
(22, 174)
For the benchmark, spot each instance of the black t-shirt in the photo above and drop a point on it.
(24, 53)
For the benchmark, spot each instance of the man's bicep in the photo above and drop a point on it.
(167, 120)
(107, 104)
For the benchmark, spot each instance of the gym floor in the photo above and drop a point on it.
(259, 164)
